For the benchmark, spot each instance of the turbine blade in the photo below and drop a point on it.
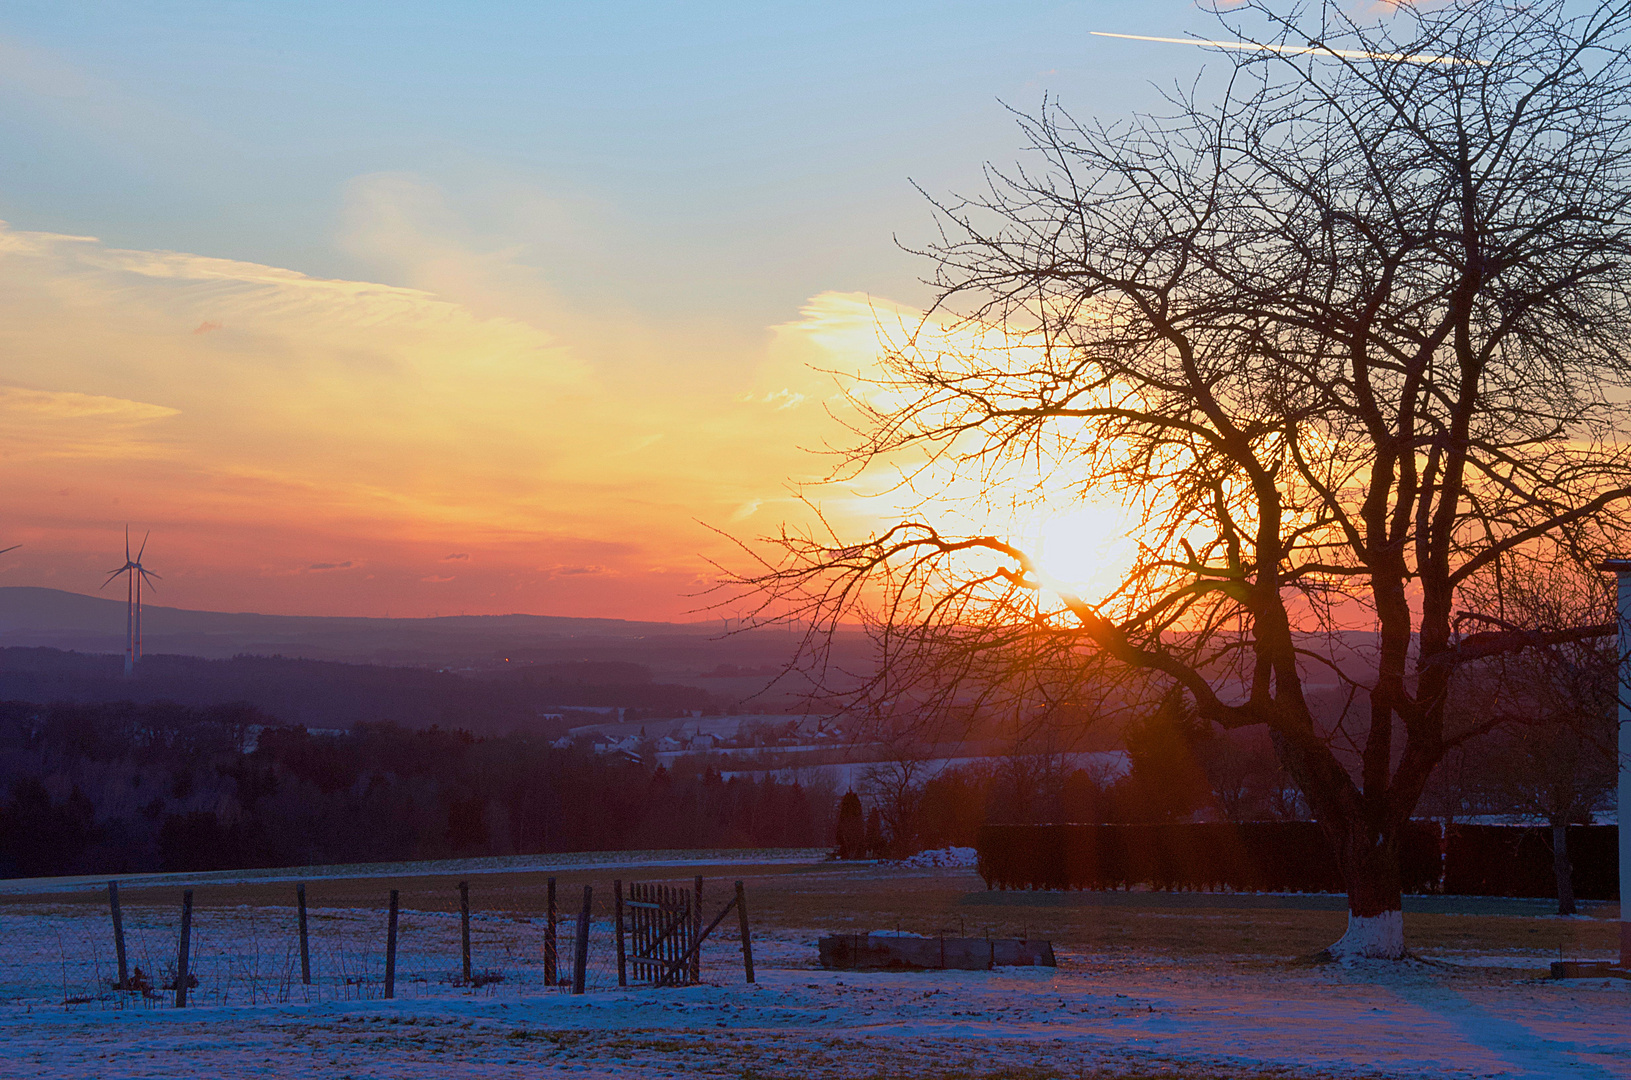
(148, 574)
(13, 547)
(127, 543)
(143, 548)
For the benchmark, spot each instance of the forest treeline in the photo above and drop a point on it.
(1175, 769)
(120, 787)
(128, 787)
(125, 786)
(1179, 769)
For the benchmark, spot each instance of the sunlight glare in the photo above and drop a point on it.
(1085, 551)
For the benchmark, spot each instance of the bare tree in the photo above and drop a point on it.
(1554, 769)
(1031, 768)
(1346, 328)
(895, 787)
(1554, 759)
(1247, 780)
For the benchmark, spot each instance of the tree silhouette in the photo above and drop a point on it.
(1345, 328)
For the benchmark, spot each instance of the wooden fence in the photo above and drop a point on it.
(663, 923)
(659, 933)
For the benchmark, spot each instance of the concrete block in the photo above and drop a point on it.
(878, 952)
(1588, 969)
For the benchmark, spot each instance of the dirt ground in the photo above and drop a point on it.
(1147, 984)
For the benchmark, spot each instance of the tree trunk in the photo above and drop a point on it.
(1562, 868)
(1370, 869)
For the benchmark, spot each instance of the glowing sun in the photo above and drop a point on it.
(1085, 550)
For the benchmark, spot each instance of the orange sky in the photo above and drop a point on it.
(344, 447)
(415, 308)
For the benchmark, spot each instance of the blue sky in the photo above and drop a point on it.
(760, 151)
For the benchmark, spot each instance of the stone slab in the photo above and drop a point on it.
(1588, 969)
(879, 952)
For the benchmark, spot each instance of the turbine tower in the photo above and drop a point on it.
(135, 573)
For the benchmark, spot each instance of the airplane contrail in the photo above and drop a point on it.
(1296, 50)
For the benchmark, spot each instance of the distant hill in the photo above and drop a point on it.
(530, 659)
(328, 694)
(65, 620)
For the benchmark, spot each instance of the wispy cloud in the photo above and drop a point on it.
(42, 424)
(1313, 49)
(572, 571)
(415, 429)
(781, 399)
(71, 405)
(642, 443)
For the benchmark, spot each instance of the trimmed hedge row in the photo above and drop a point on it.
(1259, 856)
(1516, 860)
(1288, 856)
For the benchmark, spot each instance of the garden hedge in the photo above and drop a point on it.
(1287, 856)
(1516, 860)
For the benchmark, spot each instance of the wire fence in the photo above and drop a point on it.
(248, 955)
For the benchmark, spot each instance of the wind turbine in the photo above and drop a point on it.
(135, 573)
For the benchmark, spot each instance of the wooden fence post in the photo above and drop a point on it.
(580, 954)
(677, 903)
(696, 931)
(390, 949)
(118, 934)
(551, 952)
(622, 956)
(186, 947)
(637, 928)
(464, 924)
(747, 940)
(305, 947)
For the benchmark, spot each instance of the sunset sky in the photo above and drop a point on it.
(414, 308)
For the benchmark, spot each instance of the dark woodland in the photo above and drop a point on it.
(123, 787)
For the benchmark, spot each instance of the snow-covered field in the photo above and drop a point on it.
(1126, 1010)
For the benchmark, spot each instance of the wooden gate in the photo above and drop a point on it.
(663, 927)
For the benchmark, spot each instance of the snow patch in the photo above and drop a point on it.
(961, 857)
(1371, 937)
(1121, 1013)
